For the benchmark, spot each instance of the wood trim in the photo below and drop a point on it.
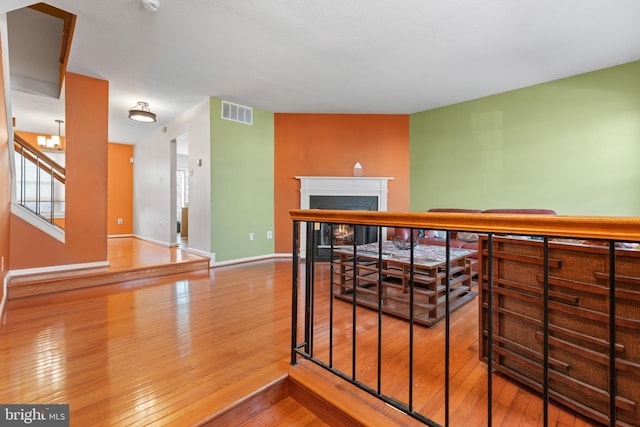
(527, 259)
(586, 227)
(65, 47)
(338, 403)
(68, 28)
(245, 409)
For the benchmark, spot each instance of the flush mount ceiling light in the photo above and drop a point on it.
(151, 5)
(141, 113)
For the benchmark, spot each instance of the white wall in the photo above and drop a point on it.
(151, 190)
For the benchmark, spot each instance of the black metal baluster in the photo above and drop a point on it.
(331, 271)
(294, 292)
(307, 286)
(353, 313)
(447, 336)
(411, 317)
(380, 293)
(311, 258)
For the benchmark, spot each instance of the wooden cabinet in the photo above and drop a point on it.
(578, 322)
(393, 273)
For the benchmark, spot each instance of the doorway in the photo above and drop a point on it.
(182, 190)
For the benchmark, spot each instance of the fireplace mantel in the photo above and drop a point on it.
(343, 186)
(340, 186)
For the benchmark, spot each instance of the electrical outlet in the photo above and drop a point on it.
(120, 221)
(250, 236)
(269, 234)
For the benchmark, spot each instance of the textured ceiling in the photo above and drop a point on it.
(331, 56)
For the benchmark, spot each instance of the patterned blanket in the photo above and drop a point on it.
(420, 252)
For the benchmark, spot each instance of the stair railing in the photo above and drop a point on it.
(328, 321)
(40, 182)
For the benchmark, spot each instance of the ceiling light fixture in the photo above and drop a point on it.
(56, 138)
(141, 113)
(151, 5)
(53, 142)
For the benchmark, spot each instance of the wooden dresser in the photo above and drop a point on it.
(578, 317)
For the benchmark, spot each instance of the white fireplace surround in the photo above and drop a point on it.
(340, 186)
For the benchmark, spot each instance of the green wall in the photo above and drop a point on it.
(572, 145)
(241, 185)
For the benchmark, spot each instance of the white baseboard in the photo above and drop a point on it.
(283, 255)
(5, 283)
(58, 268)
(210, 255)
(148, 239)
(250, 259)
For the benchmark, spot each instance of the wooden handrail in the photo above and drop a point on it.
(586, 227)
(57, 171)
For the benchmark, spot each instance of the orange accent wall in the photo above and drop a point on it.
(6, 150)
(120, 189)
(86, 121)
(329, 145)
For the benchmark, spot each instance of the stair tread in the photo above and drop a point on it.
(87, 272)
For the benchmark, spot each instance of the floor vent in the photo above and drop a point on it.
(237, 113)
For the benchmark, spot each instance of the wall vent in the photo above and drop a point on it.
(237, 113)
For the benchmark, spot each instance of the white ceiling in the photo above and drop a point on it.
(329, 56)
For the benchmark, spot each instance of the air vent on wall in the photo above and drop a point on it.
(237, 113)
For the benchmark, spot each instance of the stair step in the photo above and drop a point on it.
(306, 395)
(339, 403)
(46, 283)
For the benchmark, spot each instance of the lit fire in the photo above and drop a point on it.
(343, 233)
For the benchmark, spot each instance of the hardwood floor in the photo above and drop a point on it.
(180, 349)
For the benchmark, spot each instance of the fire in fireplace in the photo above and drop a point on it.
(343, 234)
